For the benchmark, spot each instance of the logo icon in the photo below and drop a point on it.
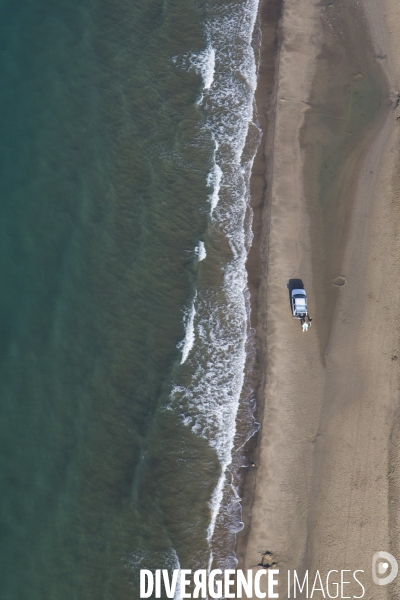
(381, 561)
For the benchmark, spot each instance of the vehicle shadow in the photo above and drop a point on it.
(294, 284)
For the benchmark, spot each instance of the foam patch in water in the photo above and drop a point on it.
(187, 343)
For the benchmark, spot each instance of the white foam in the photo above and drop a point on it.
(214, 179)
(216, 501)
(209, 404)
(200, 251)
(204, 64)
(208, 69)
(177, 565)
(187, 343)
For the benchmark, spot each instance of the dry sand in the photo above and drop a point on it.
(326, 489)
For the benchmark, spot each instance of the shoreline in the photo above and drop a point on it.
(269, 16)
(301, 451)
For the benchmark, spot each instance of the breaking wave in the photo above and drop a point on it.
(216, 344)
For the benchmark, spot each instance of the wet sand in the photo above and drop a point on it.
(325, 491)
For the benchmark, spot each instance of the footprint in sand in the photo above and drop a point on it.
(339, 281)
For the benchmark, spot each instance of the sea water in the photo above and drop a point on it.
(127, 138)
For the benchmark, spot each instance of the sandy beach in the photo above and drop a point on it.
(325, 491)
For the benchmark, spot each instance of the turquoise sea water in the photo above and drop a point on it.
(124, 332)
